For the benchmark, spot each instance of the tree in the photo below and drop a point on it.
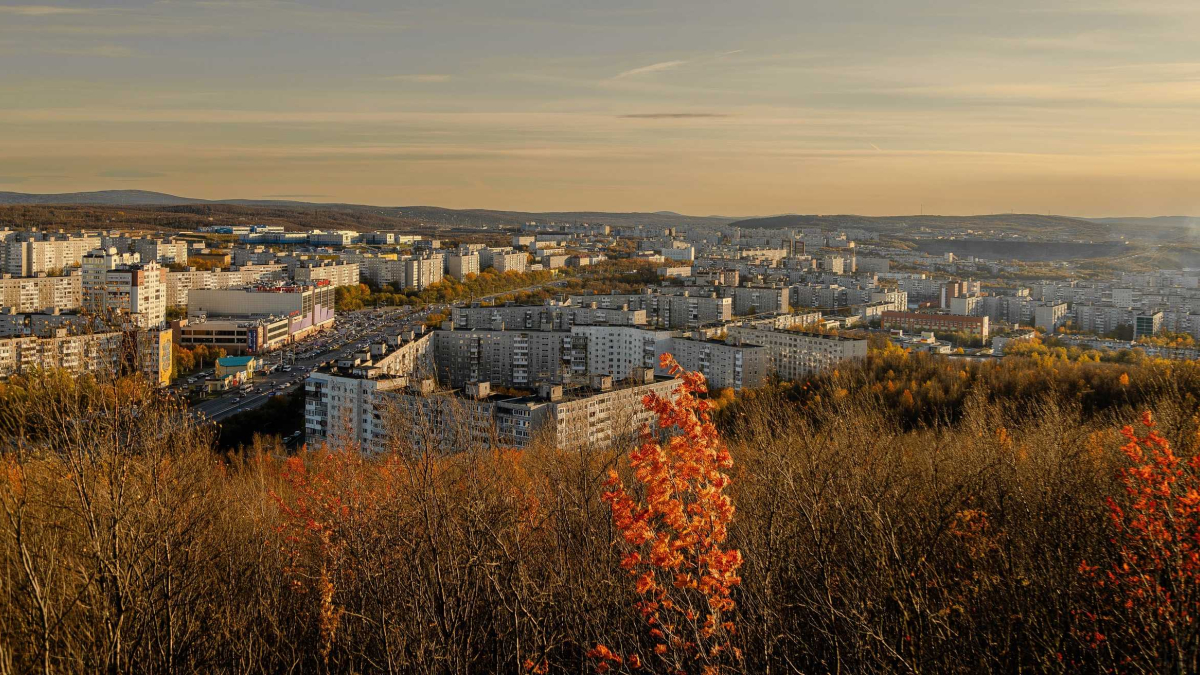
(673, 524)
(1151, 588)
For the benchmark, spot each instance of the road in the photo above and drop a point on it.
(350, 330)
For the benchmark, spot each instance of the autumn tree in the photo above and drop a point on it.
(1151, 587)
(673, 520)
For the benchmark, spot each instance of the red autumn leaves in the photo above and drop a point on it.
(673, 523)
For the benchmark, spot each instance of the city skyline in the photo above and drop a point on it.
(873, 108)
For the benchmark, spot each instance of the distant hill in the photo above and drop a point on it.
(902, 225)
(429, 214)
(100, 198)
(1156, 221)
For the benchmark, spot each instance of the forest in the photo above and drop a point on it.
(908, 514)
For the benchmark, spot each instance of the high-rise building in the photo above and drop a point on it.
(95, 266)
(136, 293)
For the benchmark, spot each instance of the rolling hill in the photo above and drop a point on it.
(433, 215)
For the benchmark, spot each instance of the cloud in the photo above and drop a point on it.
(43, 10)
(129, 174)
(652, 68)
(671, 116)
(421, 78)
(101, 51)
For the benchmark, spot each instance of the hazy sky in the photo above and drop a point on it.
(1086, 107)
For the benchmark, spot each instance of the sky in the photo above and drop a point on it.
(754, 107)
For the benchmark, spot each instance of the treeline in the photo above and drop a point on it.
(489, 282)
(991, 526)
(193, 216)
(619, 276)
(922, 389)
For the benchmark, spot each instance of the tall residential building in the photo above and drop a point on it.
(757, 299)
(95, 266)
(724, 366)
(36, 294)
(938, 323)
(338, 274)
(420, 272)
(687, 309)
(30, 253)
(617, 351)
(138, 293)
(459, 266)
(357, 403)
(112, 353)
(542, 317)
(407, 272)
(163, 251)
(793, 355)
(509, 358)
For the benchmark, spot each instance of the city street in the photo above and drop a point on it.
(350, 330)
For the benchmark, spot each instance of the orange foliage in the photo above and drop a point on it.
(318, 511)
(673, 533)
(1153, 583)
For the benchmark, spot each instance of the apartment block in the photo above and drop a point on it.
(336, 273)
(30, 253)
(459, 266)
(757, 299)
(162, 251)
(112, 352)
(353, 404)
(95, 266)
(793, 355)
(136, 293)
(938, 323)
(35, 294)
(542, 317)
(617, 351)
(510, 262)
(724, 366)
(518, 359)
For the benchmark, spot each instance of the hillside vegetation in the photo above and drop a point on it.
(912, 514)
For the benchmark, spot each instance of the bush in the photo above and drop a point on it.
(961, 532)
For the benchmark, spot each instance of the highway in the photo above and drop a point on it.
(350, 330)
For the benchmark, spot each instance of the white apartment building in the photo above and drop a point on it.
(408, 272)
(163, 251)
(35, 294)
(724, 366)
(459, 266)
(617, 351)
(30, 253)
(148, 352)
(95, 266)
(1049, 316)
(338, 274)
(757, 299)
(965, 305)
(422, 272)
(355, 405)
(510, 262)
(137, 292)
(794, 355)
